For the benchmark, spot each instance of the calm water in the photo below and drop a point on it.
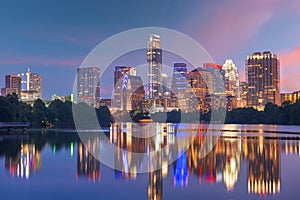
(56, 165)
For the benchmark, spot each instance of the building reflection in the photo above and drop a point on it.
(211, 159)
(263, 165)
(291, 147)
(220, 164)
(87, 165)
(27, 160)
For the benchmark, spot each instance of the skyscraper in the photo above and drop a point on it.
(200, 84)
(232, 82)
(88, 85)
(119, 72)
(218, 76)
(263, 76)
(34, 83)
(128, 88)
(179, 84)
(13, 84)
(154, 58)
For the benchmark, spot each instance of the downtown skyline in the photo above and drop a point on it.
(53, 39)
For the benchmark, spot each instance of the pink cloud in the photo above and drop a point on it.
(40, 61)
(290, 70)
(232, 24)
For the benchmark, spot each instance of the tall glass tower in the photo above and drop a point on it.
(154, 58)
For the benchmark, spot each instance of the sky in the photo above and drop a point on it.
(54, 37)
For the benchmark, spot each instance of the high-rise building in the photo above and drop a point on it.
(244, 93)
(13, 84)
(154, 58)
(263, 76)
(179, 84)
(119, 73)
(200, 84)
(218, 76)
(232, 83)
(88, 85)
(34, 83)
(128, 89)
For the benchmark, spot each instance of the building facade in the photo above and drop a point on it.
(232, 83)
(13, 84)
(88, 85)
(200, 84)
(128, 89)
(34, 84)
(290, 97)
(154, 58)
(263, 77)
(179, 85)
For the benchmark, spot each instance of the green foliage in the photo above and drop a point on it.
(286, 114)
(57, 115)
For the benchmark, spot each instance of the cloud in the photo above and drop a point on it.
(233, 23)
(40, 61)
(290, 70)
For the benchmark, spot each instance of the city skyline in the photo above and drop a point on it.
(55, 45)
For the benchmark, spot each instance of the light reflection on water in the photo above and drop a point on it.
(238, 167)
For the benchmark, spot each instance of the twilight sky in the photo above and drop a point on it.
(54, 37)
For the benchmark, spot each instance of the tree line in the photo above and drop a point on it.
(58, 114)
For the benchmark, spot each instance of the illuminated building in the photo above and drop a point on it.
(29, 96)
(291, 97)
(244, 93)
(154, 58)
(263, 76)
(232, 82)
(179, 85)
(218, 77)
(128, 89)
(119, 73)
(231, 102)
(13, 84)
(61, 98)
(200, 84)
(34, 83)
(88, 85)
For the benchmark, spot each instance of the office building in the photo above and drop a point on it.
(218, 77)
(200, 84)
(34, 84)
(290, 97)
(13, 84)
(88, 85)
(154, 58)
(263, 76)
(231, 76)
(128, 89)
(179, 84)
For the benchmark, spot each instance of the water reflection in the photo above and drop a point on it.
(263, 165)
(87, 164)
(260, 155)
(28, 159)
